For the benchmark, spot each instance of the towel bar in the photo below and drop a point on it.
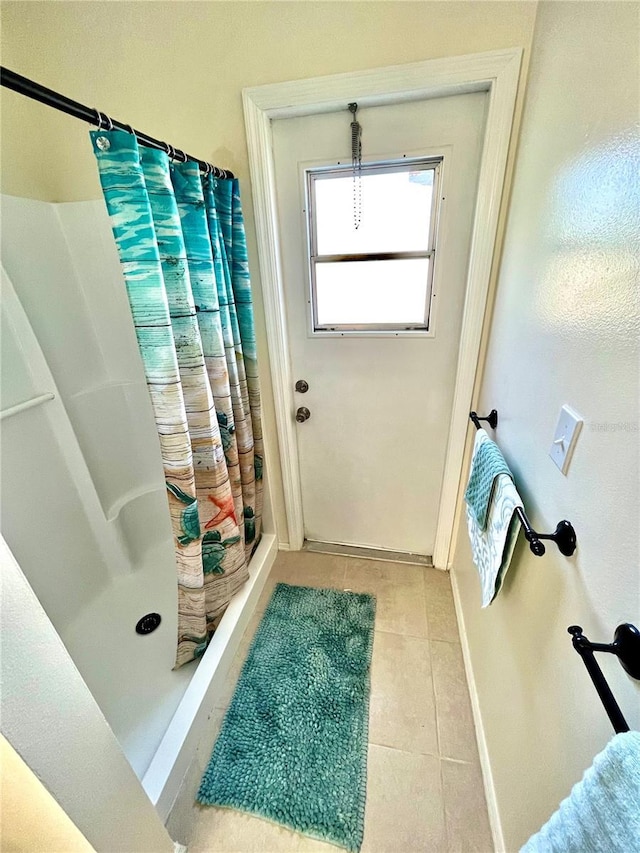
(626, 646)
(564, 535)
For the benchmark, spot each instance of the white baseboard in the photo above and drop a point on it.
(485, 763)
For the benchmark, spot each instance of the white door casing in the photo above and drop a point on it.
(496, 72)
(371, 457)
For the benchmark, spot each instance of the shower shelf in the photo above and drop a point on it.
(129, 497)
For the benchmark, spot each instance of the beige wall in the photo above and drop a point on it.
(32, 821)
(565, 330)
(176, 71)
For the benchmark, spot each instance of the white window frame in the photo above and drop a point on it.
(354, 329)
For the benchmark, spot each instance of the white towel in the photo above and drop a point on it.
(602, 813)
(493, 547)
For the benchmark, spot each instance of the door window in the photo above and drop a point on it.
(376, 277)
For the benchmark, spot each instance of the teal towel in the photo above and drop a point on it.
(602, 813)
(488, 463)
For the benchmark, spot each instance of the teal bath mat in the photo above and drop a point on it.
(293, 745)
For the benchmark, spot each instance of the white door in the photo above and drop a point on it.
(376, 335)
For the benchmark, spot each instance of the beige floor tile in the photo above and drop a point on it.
(402, 706)
(224, 696)
(229, 831)
(307, 569)
(405, 812)
(441, 614)
(455, 722)
(214, 724)
(419, 706)
(312, 845)
(185, 810)
(399, 590)
(465, 808)
(266, 593)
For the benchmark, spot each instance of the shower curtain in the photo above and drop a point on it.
(183, 253)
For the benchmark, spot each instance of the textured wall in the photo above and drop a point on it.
(565, 330)
(176, 71)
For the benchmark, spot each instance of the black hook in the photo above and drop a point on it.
(491, 418)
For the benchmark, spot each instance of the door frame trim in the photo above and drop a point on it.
(495, 72)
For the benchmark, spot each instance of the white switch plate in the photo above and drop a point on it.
(565, 437)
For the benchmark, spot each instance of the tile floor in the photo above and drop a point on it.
(424, 787)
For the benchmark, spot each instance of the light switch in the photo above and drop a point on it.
(566, 435)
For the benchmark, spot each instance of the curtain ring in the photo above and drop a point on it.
(98, 118)
(130, 129)
(171, 153)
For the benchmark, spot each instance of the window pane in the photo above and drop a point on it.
(380, 292)
(396, 213)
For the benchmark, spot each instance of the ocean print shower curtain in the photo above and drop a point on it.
(183, 253)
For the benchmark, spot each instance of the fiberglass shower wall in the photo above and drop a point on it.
(83, 497)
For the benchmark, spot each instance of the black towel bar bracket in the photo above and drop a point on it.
(491, 419)
(564, 535)
(626, 646)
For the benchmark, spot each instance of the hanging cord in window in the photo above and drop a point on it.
(356, 163)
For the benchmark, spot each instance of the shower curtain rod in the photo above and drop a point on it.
(33, 90)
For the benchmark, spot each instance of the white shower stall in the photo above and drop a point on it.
(84, 507)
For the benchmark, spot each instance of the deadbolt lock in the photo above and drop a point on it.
(302, 414)
(302, 386)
